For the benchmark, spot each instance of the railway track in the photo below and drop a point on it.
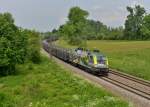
(141, 81)
(135, 85)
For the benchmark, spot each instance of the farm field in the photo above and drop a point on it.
(132, 57)
(49, 85)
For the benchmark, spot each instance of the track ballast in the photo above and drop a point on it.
(130, 83)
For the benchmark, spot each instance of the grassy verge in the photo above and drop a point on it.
(131, 57)
(48, 85)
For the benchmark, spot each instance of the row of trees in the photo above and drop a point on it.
(16, 45)
(78, 28)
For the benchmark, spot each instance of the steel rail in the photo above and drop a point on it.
(129, 77)
(126, 87)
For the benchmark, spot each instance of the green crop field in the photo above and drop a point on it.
(132, 57)
(49, 85)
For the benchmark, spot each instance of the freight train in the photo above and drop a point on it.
(92, 61)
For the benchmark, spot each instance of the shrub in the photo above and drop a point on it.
(13, 45)
(33, 46)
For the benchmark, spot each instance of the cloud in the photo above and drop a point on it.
(48, 14)
(62, 20)
(96, 7)
(110, 16)
(137, 2)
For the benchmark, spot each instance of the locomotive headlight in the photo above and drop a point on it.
(95, 65)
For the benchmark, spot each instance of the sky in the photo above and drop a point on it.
(45, 15)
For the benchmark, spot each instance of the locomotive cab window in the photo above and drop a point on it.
(91, 59)
(101, 59)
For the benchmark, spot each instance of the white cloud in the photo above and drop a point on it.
(137, 2)
(96, 7)
(62, 20)
(109, 16)
(49, 14)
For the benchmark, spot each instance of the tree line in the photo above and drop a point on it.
(17, 45)
(79, 28)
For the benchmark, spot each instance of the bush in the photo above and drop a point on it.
(13, 45)
(34, 55)
(33, 46)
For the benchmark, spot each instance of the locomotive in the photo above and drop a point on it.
(92, 61)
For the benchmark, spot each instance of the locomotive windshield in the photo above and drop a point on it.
(101, 59)
(91, 59)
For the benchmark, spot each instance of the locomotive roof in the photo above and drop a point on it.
(91, 52)
(98, 54)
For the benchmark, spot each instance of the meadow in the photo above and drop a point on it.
(132, 57)
(49, 85)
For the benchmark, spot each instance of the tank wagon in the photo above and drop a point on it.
(92, 61)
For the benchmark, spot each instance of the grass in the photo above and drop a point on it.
(49, 85)
(132, 57)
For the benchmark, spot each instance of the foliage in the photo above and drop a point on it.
(13, 45)
(33, 46)
(95, 30)
(47, 84)
(77, 15)
(114, 34)
(46, 35)
(146, 28)
(16, 45)
(134, 22)
(73, 29)
(79, 28)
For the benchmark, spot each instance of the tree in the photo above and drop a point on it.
(78, 29)
(146, 28)
(34, 47)
(115, 33)
(95, 30)
(54, 31)
(13, 45)
(134, 22)
(73, 29)
(77, 15)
